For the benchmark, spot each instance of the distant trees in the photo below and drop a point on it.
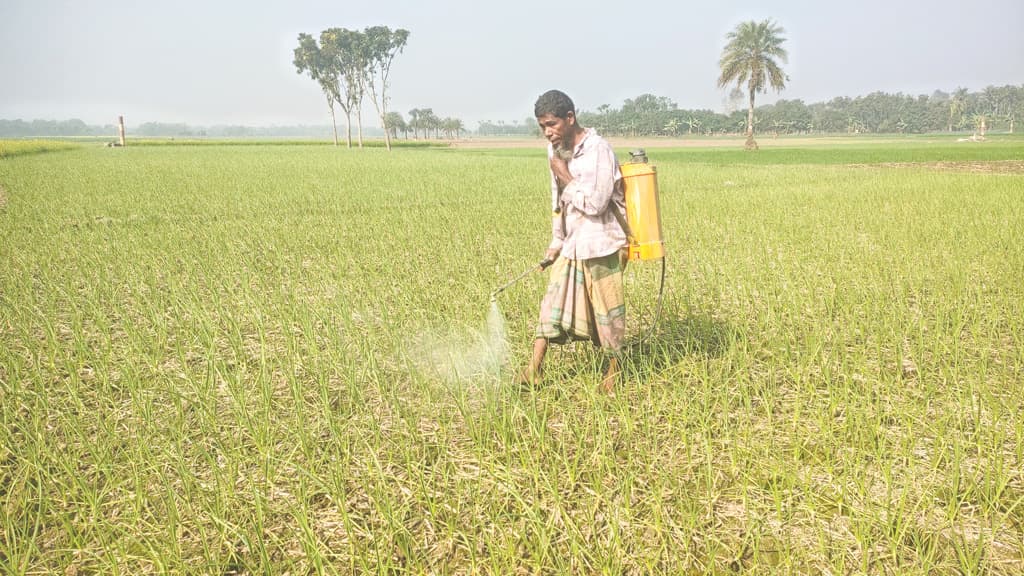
(452, 128)
(395, 124)
(73, 127)
(502, 128)
(422, 120)
(749, 60)
(874, 113)
(345, 64)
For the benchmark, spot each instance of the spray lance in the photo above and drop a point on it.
(540, 266)
(566, 155)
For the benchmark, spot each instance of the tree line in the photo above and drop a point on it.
(52, 128)
(1001, 108)
(423, 122)
(995, 107)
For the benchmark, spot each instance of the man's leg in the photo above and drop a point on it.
(532, 373)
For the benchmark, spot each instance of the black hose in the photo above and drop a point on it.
(657, 310)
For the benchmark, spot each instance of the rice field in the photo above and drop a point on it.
(237, 360)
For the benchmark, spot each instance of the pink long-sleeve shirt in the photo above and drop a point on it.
(587, 226)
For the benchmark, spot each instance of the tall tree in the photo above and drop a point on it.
(381, 45)
(345, 48)
(750, 58)
(415, 121)
(311, 60)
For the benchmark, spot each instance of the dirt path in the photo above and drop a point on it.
(626, 143)
(978, 166)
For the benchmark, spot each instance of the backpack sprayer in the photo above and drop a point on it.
(643, 217)
(642, 223)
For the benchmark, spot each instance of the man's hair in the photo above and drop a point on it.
(554, 102)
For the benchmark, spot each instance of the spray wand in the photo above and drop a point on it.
(542, 265)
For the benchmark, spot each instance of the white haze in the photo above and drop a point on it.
(230, 62)
(461, 356)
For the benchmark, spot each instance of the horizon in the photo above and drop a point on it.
(514, 121)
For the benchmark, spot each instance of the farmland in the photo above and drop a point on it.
(211, 360)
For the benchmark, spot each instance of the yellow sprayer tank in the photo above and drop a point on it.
(642, 214)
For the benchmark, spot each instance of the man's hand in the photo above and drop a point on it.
(560, 168)
(551, 254)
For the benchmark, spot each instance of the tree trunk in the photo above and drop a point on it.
(387, 133)
(750, 144)
(348, 128)
(334, 122)
(359, 122)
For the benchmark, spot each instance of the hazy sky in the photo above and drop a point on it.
(208, 62)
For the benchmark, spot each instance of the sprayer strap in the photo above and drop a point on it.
(620, 216)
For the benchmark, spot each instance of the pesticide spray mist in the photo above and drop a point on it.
(459, 356)
(482, 353)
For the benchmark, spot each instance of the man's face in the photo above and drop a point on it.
(557, 130)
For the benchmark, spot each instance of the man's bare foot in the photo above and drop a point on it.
(528, 377)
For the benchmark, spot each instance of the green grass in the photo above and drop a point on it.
(856, 152)
(263, 142)
(205, 366)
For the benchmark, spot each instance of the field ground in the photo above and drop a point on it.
(237, 360)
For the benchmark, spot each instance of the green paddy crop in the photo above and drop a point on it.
(10, 148)
(212, 361)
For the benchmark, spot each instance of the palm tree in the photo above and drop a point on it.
(750, 57)
(957, 106)
(672, 126)
(415, 121)
(395, 124)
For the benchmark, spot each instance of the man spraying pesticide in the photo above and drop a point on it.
(589, 245)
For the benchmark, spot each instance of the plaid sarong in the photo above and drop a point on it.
(585, 301)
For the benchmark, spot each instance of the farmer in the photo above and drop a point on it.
(584, 299)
